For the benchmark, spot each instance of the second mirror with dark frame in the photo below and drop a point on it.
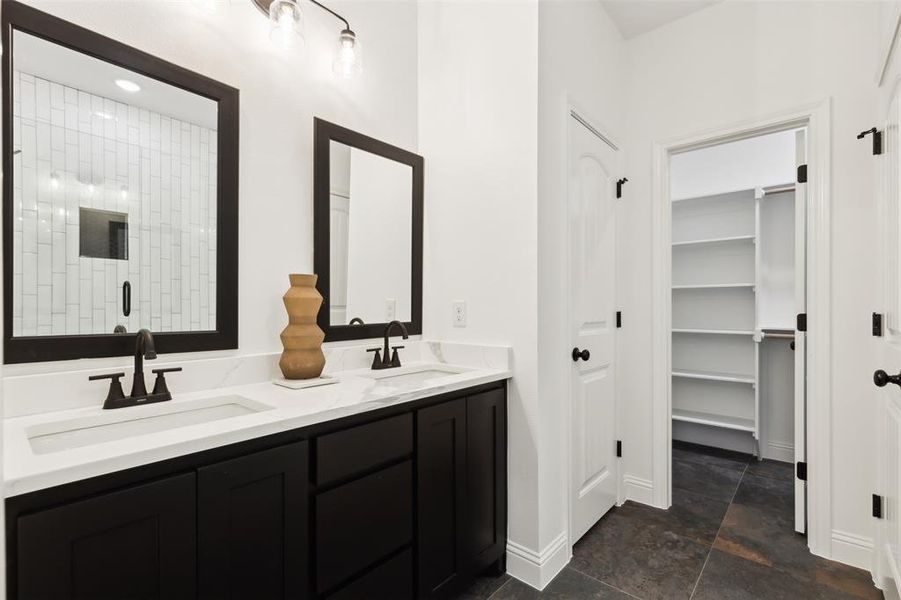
(368, 216)
(122, 181)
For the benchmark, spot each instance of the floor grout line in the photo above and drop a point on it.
(719, 529)
(602, 582)
(497, 591)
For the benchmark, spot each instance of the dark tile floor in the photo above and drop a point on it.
(729, 535)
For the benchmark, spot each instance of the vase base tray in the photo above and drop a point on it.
(299, 384)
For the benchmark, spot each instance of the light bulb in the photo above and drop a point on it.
(348, 60)
(285, 25)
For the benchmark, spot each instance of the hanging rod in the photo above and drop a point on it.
(781, 334)
(779, 189)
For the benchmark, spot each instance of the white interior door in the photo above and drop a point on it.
(800, 442)
(888, 398)
(592, 269)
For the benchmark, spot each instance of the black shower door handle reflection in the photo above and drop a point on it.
(126, 298)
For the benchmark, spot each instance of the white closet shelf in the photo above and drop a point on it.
(721, 240)
(702, 418)
(749, 191)
(713, 286)
(715, 331)
(715, 376)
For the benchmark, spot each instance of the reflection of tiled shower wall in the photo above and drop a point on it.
(82, 150)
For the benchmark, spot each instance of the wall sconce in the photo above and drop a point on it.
(286, 30)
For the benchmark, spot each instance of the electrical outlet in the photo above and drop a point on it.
(459, 314)
(390, 309)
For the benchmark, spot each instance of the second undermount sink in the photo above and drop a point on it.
(129, 422)
(414, 375)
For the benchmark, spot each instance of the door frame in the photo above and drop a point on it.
(816, 117)
(574, 107)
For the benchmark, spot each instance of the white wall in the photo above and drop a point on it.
(580, 60)
(493, 109)
(729, 63)
(281, 92)
(478, 80)
(754, 162)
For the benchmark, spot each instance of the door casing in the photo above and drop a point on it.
(816, 117)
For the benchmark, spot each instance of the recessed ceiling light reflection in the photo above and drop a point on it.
(128, 86)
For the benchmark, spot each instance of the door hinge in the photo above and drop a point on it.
(801, 471)
(619, 319)
(877, 506)
(802, 322)
(877, 139)
(619, 186)
(877, 325)
(619, 448)
(802, 173)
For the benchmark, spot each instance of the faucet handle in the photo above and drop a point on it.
(115, 393)
(159, 386)
(377, 360)
(395, 359)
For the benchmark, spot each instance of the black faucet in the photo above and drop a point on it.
(382, 361)
(144, 348)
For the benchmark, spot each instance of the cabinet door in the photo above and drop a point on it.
(486, 477)
(252, 525)
(441, 483)
(137, 542)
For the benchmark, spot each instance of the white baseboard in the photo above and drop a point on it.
(638, 489)
(852, 549)
(780, 451)
(537, 569)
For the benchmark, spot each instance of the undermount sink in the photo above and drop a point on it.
(415, 375)
(129, 422)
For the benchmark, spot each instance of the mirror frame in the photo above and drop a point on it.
(65, 347)
(323, 134)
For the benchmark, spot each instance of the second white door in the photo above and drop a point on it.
(592, 313)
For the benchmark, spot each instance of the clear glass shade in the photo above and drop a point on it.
(286, 24)
(348, 58)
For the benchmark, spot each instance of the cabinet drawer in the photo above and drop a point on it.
(345, 453)
(361, 522)
(390, 581)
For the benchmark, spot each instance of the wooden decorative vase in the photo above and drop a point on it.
(302, 357)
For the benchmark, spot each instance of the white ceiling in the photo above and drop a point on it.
(634, 17)
(56, 63)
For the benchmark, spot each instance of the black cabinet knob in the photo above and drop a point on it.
(583, 354)
(881, 378)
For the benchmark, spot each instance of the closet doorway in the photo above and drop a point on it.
(737, 216)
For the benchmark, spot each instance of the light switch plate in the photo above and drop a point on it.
(459, 314)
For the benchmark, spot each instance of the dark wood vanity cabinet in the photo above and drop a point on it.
(137, 542)
(462, 476)
(252, 523)
(403, 502)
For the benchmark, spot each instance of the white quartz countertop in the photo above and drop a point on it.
(357, 391)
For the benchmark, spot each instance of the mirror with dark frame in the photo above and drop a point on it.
(121, 182)
(368, 211)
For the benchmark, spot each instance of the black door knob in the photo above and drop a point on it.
(583, 354)
(881, 378)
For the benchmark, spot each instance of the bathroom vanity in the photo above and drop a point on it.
(387, 483)
(402, 497)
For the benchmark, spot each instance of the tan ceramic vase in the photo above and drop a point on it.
(302, 338)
